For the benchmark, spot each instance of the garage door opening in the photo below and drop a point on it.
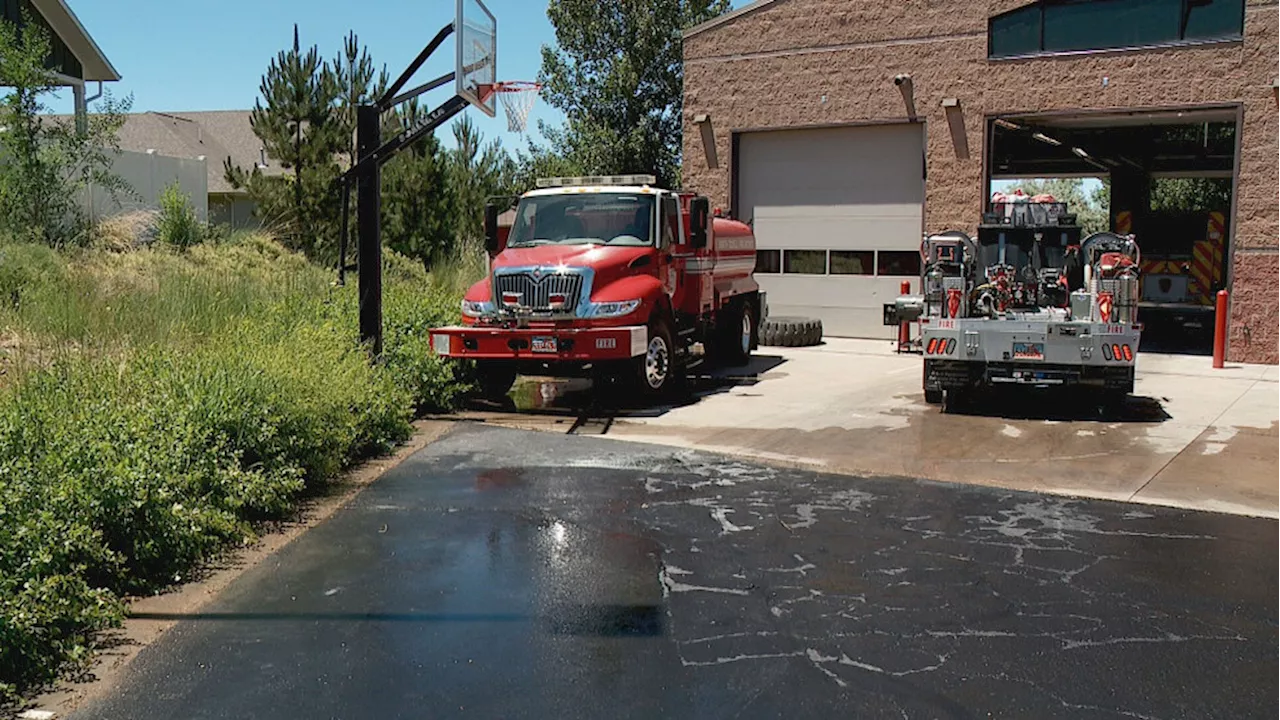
(1167, 177)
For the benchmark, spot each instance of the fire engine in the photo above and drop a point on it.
(1026, 304)
(608, 277)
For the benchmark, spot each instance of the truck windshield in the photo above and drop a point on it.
(598, 219)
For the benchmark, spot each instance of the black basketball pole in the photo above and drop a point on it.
(371, 153)
(369, 226)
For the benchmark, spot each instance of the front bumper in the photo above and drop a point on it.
(542, 345)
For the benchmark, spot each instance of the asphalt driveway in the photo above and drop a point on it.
(501, 573)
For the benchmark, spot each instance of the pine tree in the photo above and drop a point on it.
(298, 127)
(417, 209)
(477, 171)
(353, 72)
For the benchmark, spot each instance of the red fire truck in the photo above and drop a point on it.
(612, 278)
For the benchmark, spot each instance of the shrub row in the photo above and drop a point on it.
(122, 470)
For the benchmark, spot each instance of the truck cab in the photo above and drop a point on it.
(608, 276)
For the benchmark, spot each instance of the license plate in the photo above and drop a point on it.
(1028, 351)
(543, 345)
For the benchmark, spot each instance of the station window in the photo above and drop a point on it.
(769, 262)
(804, 262)
(853, 262)
(1074, 25)
(898, 263)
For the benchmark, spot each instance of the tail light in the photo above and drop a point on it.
(1106, 353)
(933, 346)
(951, 346)
(1115, 352)
(1128, 354)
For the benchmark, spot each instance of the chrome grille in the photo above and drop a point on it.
(535, 293)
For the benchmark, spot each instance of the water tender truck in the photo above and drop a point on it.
(609, 277)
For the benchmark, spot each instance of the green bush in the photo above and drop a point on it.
(179, 399)
(177, 224)
(25, 267)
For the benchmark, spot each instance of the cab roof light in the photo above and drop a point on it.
(555, 182)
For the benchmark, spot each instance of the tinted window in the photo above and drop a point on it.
(1214, 18)
(1070, 25)
(1110, 23)
(1016, 33)
(905, 263)
(852, 262)
(805, 262)
(769, 261)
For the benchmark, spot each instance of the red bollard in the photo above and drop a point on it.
(904, 330)
(1220, 331)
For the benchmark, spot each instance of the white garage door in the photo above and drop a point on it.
(838, 215)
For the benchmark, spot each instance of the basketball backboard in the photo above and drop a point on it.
(477, 70)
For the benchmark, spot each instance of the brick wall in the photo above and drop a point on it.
(771, 68)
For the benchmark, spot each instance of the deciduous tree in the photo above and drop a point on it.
(47, 165)
(617, 73)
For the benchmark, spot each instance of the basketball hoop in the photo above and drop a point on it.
(517, 98)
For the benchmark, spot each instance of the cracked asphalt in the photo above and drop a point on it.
(501, 573)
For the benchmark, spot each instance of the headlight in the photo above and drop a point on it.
(474, 309)
(612, 309)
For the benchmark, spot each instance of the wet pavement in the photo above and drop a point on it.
(502, 573)
(1189, 436)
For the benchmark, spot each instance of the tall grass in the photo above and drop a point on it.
(156, 403)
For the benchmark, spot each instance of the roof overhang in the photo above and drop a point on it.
(78, 41)
(721, 20)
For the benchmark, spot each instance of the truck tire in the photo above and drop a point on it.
(656, 373)
(495, 379)
(735, 336)
(787, 331)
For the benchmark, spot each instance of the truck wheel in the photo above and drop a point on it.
(790, 331)
(954, 400)
(736, 336)
(495, 380)
(656, 371)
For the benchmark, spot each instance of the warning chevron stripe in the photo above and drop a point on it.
(1202, 270)
(1124, 222)
(1218, 239)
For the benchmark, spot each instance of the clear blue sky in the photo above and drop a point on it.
(176, 56)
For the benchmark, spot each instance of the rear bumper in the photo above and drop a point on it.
(960, 374)
(571, 345)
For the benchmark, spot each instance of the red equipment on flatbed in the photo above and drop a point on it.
(609, 277)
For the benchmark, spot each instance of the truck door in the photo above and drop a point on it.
(673, 249)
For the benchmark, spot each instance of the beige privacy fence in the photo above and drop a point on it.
(148, 174)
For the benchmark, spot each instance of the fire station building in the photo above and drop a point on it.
(844, 129)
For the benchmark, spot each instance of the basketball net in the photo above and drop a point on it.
(517, 99)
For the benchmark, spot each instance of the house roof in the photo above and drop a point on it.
(718, 21)
(65, 23)
(216, 134)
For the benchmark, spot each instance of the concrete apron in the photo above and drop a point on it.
(1190, 436)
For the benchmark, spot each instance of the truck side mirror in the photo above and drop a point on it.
(491, 228)
(699, 212)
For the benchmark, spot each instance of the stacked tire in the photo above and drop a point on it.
(783, 331)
